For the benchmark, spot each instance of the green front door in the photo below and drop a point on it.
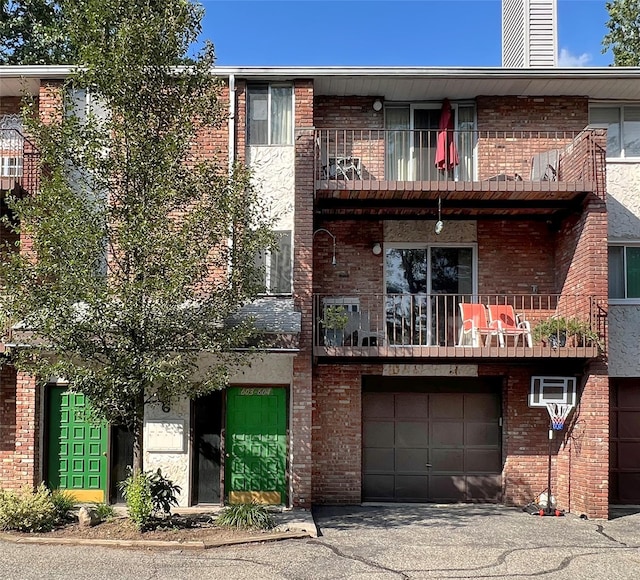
(256, 445)
(77, 448)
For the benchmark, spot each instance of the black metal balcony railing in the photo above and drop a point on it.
(459, 325)
(18, 161)
(344, 155)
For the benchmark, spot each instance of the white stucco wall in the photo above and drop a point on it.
(623, 201)
(623, 207)
(273, 170)
(624, 340)
(175, 465)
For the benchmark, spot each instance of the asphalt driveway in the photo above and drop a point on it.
(422, 541)
(372, 543)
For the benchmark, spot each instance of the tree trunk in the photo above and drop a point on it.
(138, 437)
(138, 456)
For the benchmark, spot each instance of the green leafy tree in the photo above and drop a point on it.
(140, 248)
(623, 36)
(33, 32)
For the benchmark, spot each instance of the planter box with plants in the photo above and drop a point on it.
(559, 331)
(334, 323)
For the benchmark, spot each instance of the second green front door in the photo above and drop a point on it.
(256, 445)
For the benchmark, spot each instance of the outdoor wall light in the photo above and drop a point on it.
(333, 260)
(376, 249)
(439, 223)
(377, 105)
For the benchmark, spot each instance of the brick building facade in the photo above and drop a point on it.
(403, 403)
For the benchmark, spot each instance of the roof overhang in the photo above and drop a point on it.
(405, 83)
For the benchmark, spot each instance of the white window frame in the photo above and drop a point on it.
(269, 87)
(624, 244)
(10, 166)
(473, 246)
(267, 268)
(622, 157)
(428, 246)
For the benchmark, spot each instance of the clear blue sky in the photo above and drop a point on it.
(386, 33)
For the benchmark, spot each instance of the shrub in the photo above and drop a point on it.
(246, 516)
(148, 494)
(137, 494)
(164, 494)
(104, 511)
(64, 502)
(28, 510)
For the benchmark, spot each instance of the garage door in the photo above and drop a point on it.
(624, 441)
(431, 447)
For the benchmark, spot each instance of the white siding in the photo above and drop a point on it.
(529, 33)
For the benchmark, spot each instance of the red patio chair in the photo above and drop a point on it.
(475, 325)
(512, 324)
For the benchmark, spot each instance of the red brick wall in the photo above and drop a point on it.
(10, 105)
(579, 466)
(19, 430)
(365, 140)
(346, 112)
(514, 255)
(337, 432)
(357, 269)
(583, 461)
(301, 397)
(241, 120)
(213, 143)
(525, 439)
(539, 124)
(532, 113)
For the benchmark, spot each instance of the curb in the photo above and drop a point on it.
(188, 545)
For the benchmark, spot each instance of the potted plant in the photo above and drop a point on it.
(557, 330)
(334, 322)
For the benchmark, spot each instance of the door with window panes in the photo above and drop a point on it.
(424, 285)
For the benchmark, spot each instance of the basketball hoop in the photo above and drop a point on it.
(558, 413)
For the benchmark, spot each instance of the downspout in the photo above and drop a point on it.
(232, 121)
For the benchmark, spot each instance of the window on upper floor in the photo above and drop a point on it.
(11, 146)
(623, 128)
(624, 271)
(276, 265)
(270, 114)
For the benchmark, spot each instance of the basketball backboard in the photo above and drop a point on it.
(544, 390)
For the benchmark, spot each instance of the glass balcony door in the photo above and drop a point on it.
(423, 288)
(411, 138)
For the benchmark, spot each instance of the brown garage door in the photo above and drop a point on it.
(431, 447)
(624, 485)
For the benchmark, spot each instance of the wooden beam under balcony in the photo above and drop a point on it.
(460, 200)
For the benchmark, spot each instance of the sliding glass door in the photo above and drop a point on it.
(423, 287)
(411, 139)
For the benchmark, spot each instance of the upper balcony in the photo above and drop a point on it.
(475, 174)
(454, 326)
(18, 162)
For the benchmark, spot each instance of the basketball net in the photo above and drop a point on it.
(558, 413)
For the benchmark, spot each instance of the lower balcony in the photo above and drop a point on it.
(459, 326)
